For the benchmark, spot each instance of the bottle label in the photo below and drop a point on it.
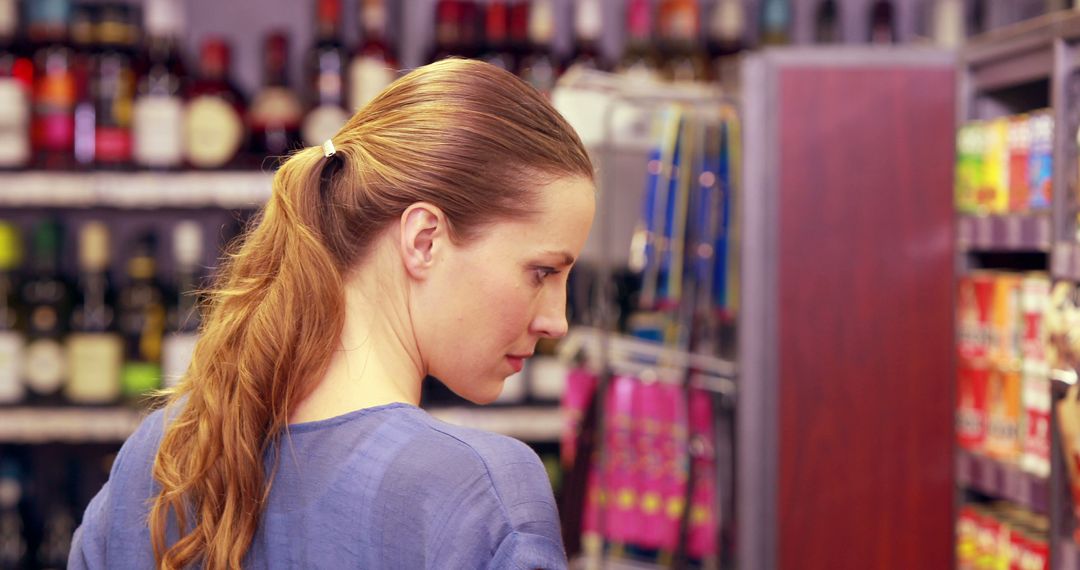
(112, 144)
(368, 77)
(11, 361)
(323, 123)
(158, 131)
(138, 378)
(44, 366)
(14, 115)
(94, 361)
(213, 132)
(54, 107)
(276, 107)
(176, 357)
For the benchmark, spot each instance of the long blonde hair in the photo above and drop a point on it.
(471, 139)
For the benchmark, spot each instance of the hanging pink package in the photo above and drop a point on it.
(704, 521)
(618, 475)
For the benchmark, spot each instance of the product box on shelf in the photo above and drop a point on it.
(993, 196)
(1041, 159)
(969, 169)
(1035, 366)
(1019, 160)
(1003, 415)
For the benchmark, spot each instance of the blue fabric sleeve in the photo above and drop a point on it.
(527, 551)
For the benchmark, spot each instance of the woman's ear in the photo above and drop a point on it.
(423, 227)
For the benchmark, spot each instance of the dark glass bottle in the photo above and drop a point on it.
(726, 37)
(84, 21)
(113, 86)
(640, 58)
(141, 311)
(55, 89)
(827, 23)
(158, 130)
(13, 547)
(46, 300)
(518, 43)
(213, 113)
(775, 22)
(276, 111)
(683, 59)
(540, 68)
(12, 341)
(95, 350)
(183, 323)
(587, 23)
(448, 14)
(16, 77)
(472, 29)
(496, 36)
(374, 63)
(882, 23)
(326, 76)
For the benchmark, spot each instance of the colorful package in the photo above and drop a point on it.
(1041, 159)
(1019, 150)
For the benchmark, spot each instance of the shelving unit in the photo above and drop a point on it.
(28, 425)
(1032, 65)
(230, 190)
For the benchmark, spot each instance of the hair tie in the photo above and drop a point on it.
(328, 149)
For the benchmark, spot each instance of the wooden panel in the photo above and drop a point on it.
(865, 318)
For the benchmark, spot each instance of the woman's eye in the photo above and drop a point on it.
(541, 273)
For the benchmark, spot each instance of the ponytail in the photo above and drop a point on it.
(270, 331)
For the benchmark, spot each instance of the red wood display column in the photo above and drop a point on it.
(853, 177)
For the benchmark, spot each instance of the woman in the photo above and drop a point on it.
(431, 236)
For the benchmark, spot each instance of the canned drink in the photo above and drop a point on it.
(1041, 159)
(1019, 140)
(1003, 430)
(972, 408)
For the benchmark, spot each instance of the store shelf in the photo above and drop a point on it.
(527, 423)
(26, 425)
(67, 425)
(1004, 233)
(135, 189)
(1003, 481)
(1065, 261)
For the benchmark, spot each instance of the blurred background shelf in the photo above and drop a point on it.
(224, 189)
(1003, 481)
(1004, 233)
(28, 425)
(1065, 261)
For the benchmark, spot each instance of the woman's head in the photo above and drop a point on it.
(483, 193)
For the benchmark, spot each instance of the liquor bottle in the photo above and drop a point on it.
(518, 44)
(16, 77)
(472, 29)
(95, 350)
(46, 300)
(214, 111)
(726, 37)
(496, 35)
(447, 30)
(13, 546)
(587, 22)
(54, 92)
(113, 85)
(827, 23)
(640, 58)
(12, 343)
(539, 67)
(374, 64)
(683, 61)
(59, 526)
(882, 23)
(84, 20)
(158, 131)
(775, 22)
(947, 23)
(183, 320)
(326, 74)
(142, 321)
(276, 112)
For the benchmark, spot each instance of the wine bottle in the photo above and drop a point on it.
(775, 22)
(213, 115)
(12, 342)
(496, 35)
(326, 75)
(276, 112)
(113, 86)
(374, 63)
(184, 313)
(16, 77)
(539, 67)
(448, 14)
(84, 40)
(142, 321)
(95, 350)
(882, 23)
(683, 61)
(640, 58)
(54, 92)
(13, 547)
(587, 24)
(46, 300)
(158, 129)
(827, 23)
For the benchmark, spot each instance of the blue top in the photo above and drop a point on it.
(382, 487)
